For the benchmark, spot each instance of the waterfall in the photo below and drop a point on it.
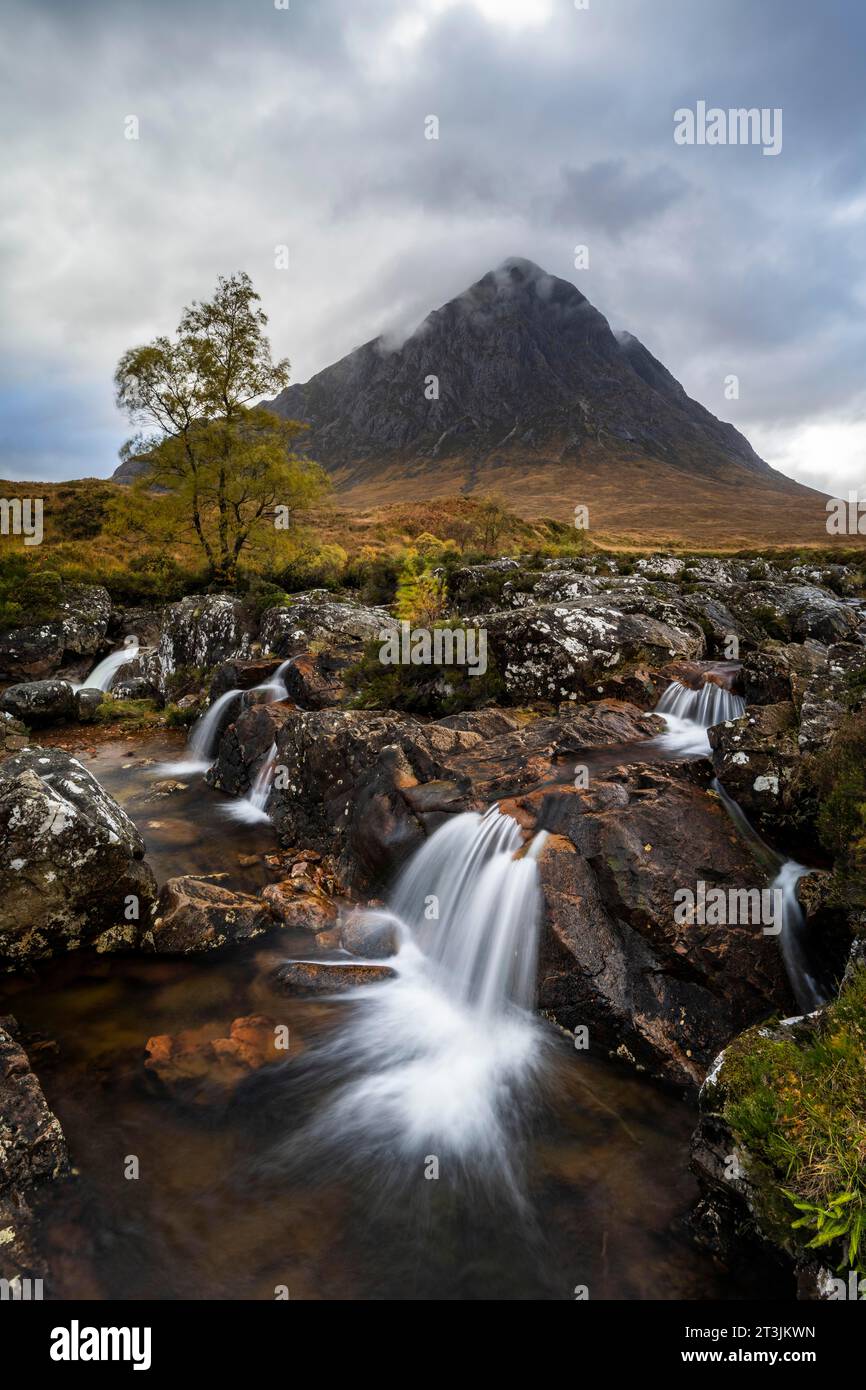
(102, 675)
(253, 807)
(444, 1060)
(275, 688)
(788, 873)
(806, 990)
(204, 737)
(689, 713)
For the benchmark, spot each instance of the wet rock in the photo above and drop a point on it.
(201, 631)
(134, 688)
(316, 680)
(369, 787)
(244, 744)
(32, 1145)
(87, 702)
(757, 760)
(33, 1153)
(39, 703)
(324, 977)
(13, 735)
(37, 650)
(145, 623)
(827, 694)
(298, 904)
(317, 617)
(71, 860)
(195, 914)
(199, 1068)
(374, 935)
(778, 671)
(241, 675)
(662, 993)
(560, 652)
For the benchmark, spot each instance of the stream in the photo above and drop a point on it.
(426, 1138)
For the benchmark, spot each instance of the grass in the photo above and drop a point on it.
(797, 1104)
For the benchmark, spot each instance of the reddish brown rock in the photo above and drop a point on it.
(325, 977)
(198, 1068)
(195, 914)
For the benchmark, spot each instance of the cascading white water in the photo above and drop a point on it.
(102, 676)
(253, 807)
(804, 986)
(275, 688)
(689, 713)
(807, 992)
(204, 737)
(444, 1059)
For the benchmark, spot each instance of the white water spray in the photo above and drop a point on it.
(445, 1059)
(689, 713)
(204, 737)
(253, 807)
(102, 676)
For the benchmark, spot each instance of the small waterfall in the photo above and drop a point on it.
(807, 992)
(204, 737)
(253, 807)
(102, 676)
(275, 688)
(689, 713)
(786, 875)
(446, 1059)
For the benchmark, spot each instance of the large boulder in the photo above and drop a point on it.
(318, 618)
(757, 760)
(560, 652)
(34, 651)
(793, 612)
(201, 631)
(71, 861)
(244, 744)
(38, 703)
(370, 786)
(663, 993)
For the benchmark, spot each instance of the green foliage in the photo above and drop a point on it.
(133, 713)
(227, 468)
(798, 1106)
(311, 566)
(421, 598)
(176, 717)
(421, 689)
(28, 594)
(840, 775)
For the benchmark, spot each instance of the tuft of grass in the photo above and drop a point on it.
(797, 1104)
(130, 713)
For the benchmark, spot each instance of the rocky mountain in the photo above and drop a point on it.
(519, 387)
(521, 362)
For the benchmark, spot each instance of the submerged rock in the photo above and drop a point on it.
(38, 703)
(199, 1068)
(71, 861)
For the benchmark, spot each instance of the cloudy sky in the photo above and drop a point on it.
(305, 127)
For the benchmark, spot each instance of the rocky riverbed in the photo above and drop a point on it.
(177, 980)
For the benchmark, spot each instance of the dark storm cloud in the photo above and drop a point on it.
(304, 127)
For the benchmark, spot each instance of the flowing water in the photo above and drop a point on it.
(205, 736)
(102, 676)
(690, 713)
(428, 1137)
(253, 808)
